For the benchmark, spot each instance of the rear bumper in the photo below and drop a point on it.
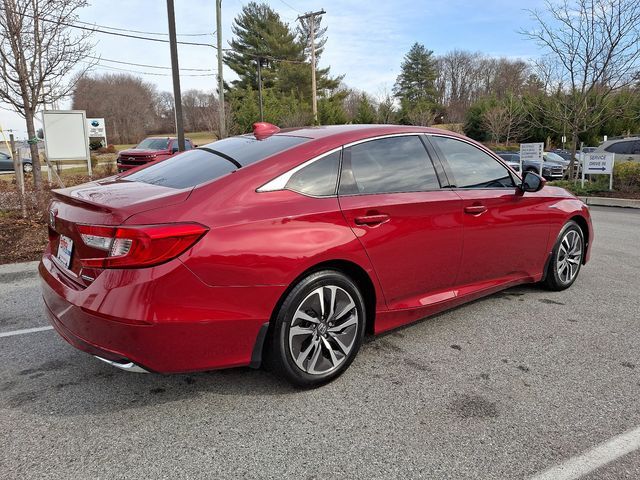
(162, 319)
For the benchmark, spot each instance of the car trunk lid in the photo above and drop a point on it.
(107, 202)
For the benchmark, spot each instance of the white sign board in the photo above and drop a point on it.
(531, 152)
(66, 136)
(598, 163)
(96, 128)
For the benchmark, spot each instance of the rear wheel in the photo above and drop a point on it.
(318, 329)
(27, 167)
(566, 258)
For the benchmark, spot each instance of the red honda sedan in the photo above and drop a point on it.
(289, 245)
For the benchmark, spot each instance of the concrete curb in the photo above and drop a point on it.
(611, 202)
(19, 267)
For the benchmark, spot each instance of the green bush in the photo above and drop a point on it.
(95, 144)
(590, 188)
(626, 176)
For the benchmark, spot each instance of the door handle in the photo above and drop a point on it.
(475, 209)
(372, 220)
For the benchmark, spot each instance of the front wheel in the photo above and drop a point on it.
(318, 329)
(566, 258)
(27, 168)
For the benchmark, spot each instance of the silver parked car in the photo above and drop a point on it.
(626, 149)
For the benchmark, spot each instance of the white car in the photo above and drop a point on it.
(626, 149)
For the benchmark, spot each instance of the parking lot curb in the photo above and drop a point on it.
(611, 202)
(19, 267)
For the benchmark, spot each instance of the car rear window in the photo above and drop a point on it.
(185, 170)
(202, 165)
(246, 149)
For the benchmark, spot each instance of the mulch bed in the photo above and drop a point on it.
(24, 239)
(21, 240)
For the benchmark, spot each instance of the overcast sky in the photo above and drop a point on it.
(366, 38)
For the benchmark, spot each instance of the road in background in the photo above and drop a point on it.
(501, 388)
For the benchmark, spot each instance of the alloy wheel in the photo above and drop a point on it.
(569, 256)
(323, 330)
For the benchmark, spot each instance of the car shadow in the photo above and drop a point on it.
(76, 384)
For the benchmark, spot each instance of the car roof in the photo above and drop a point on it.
(356, 132)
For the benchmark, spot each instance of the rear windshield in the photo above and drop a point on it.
(154, 144)
(202, 165)
(246, 149)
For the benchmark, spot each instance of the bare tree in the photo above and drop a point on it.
(495, 121)
(38, 49)
(421, 115)
(504, 121)
(515, 118)
(593, 51)
(465, 77)
(125, 101)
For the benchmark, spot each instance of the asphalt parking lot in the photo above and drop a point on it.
(503, 388)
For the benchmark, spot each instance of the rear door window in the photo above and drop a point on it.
(386, 165)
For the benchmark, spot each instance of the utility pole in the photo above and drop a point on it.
(175, 71)
(259, 61)
(312, 27)
(222, 126)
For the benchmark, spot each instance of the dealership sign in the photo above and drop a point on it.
(95, 127)
(598, 164)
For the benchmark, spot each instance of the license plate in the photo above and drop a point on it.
(65, 246)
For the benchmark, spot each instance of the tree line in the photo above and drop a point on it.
(496, 100)
(586, 82)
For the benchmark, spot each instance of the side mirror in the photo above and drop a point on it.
(531, 182)
(174, 150)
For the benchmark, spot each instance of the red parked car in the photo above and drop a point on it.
(149, 150)
(290, 245)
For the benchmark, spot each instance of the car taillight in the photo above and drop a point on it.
(138, 246)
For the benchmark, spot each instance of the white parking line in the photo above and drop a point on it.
(26, 330)
(593, 459)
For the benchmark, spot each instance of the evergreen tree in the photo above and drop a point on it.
(260, 33)
(286, 77)
(366, 112)
(331, 109)
(415, 86)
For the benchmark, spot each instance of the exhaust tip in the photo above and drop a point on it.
(127, 366)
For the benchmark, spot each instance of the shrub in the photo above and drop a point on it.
(590, 188)
(95, 144)
(626, 176)
(108, 149)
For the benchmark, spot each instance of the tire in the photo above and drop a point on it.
(27, 167)
(566, 258)
(308, 348)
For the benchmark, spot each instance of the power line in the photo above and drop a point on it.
(97, 30)
(109, 67)
(292, 8)
(146, 33)
(265, 56)
(102, 59)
